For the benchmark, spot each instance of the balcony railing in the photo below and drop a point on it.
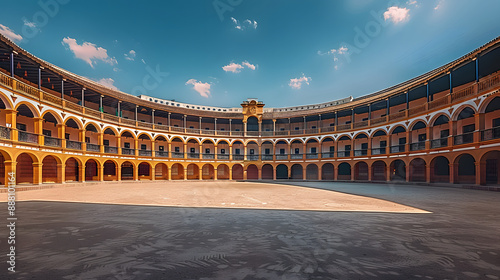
(358, 153)
(343, 153)
(177, 155)
(161, 154)
(311, 155)
(128, 151)
(489, 134)
(27, 137)
(464, 138)
(296, 156)
(208, 156)
(93, 147)
(110, 150)
(238, 157)
(223, 156)
(398, 148)
(4, 132)
(438, 143)
(379, 151)
(252, 157)
(281, 157)
(417, 146)
(328, 155)
(52, 142)
(145, 153)
(75, 145)
(267, 157)
(193, 155)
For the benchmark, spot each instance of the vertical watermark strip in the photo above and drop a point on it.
(11, 222)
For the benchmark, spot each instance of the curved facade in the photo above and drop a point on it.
(440, 127)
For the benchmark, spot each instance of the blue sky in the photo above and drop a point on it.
(220, 52)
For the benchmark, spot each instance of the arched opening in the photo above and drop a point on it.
(327, 172)
(193, 172)
(327, 148)
(193, 149)
(91, 170)
(379, 143)
(208, 149)
(145, 145)
(252, 124)
(312, 147)
(223, 172)
(161, 171)
(208, 172)
(109, 141)
(238, 149)
(440, 132)
(237, 172)
(398, 139)
(72, 135)
(50, 172)
(379, 171)
(222, 151)
(252, 172)
(281, 171)
(491, 120)
(440, 170)
(92, 138)
(345, 146)
(144, 171)
(177, 148)
(24, 169)
(50, 131)
(417, 170)
(312, 172)
(71, 170)
(127, 171)
(282, 150)
(177, 171)
(465, 170)
(161, 145)
(465, 127)
(267, 172)
(296, 149)
(361, 145)
(109, 171)
(361, 171)
(267, 152)
(297, 172)
(418, 136)
(398, 170)
(490, 163)
(344, 171)
(25, 125)
(128, 143)
(252, 151)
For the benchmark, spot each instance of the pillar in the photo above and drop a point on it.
(136, 173)
(388, 172)
(136, 147)
(153, 173)
(185, 150)
(11, 118)
(39, 129)
(100, 141)
(259, 170)
(231, 173)
(407, 169)
(153, 148)
(200, 172)
(10, 166)
(118, 172)
(61, 134)
(215, 173)
(61, 173)
(81, 172)
(100, 175)
(274, 173)
(428, 173)
(304, 172)
(37, 173)
(185, 172)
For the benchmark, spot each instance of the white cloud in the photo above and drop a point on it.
(336, 54)
(202, 88)
(7, 32)
(412, 2)
(246, 24)
(341, 50)
(247, 64)
(439, 4)
(89, 52)
(232, 67)
(296, 83)
(130, 55)
(397, 14)
(108, 82)
(236, 67)
(143, 61)
(29, 23)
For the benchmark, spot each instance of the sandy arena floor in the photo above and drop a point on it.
(239, 230)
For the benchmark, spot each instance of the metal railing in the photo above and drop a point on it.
(464, 138)
(177, 155)
(52, 142)
(110, 150)
(379, 151)
(93, 147)
(417, 146)
(208, 156)
(328, 155)
(75, 145)
(4, 132)
(296, 156)
(161, 154)
(145, 153)
(311, 155)
(438, 143)
(223, 156)
(267, 157)
(343, 153)
(358, 153)
(252, 157)
(489, 134)
(193, 155)
(27, 137)
(281, 157)
(128, 151)
(238, 157)
(398, 148)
